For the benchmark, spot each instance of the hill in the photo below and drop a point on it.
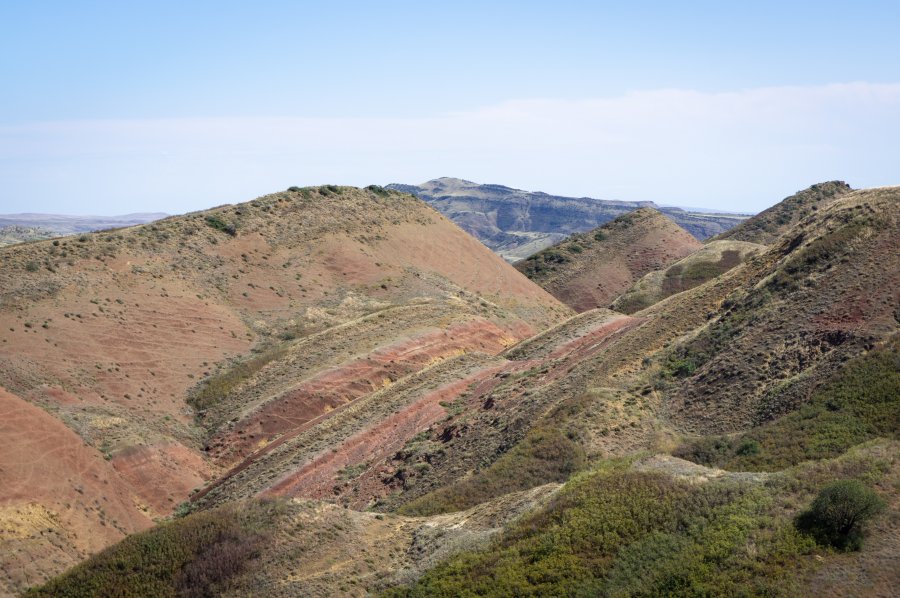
(517, 223)
(591, 269)
(15, 233)
(151, 344)
(766, 227)
(670, 450)
(709, 261)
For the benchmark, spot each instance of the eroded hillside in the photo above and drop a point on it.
(157, 346)
(590, 270)
(517, 223)
(431, 448)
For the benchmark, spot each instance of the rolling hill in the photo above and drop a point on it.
(473, 435)
(156, 345)
(590, 270)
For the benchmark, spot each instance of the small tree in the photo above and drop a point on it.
(839, 512)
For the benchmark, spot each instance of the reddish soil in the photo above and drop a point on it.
(356, 469)
(317, 478)
(61, 500)
(165, 474)
(634, 245)
(340, 385)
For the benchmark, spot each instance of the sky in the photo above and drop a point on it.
(117, 107)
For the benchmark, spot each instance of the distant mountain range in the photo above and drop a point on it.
(17, 228)
(517, 223)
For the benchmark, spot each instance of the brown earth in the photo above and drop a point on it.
(61, 501)
(112, 332)
(712, 260)
(590, 270)
(825, 293)
(381, 396)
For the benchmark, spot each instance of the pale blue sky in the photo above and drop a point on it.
(113, 107)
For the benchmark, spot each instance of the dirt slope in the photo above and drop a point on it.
(827, 291)
(61, 501)
(330, 289)
(440, 405)
(591, 269)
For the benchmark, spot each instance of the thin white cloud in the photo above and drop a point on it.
(734, 150)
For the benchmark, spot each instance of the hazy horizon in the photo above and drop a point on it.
(113, 109)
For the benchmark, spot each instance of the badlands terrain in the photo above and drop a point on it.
(338, 391)
(517, 223)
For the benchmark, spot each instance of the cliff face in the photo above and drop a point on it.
(517, 223)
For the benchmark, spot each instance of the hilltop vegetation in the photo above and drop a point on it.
(766, 227)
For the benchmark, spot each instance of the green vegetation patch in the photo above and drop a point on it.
(544, 262)
(625, 533)
(217, 223)
(212, 389)
(838, 515)
(194, 556)
(544, 455)
(861, 402)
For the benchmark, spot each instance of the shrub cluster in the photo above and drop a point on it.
(544, 455)
(861, 402)
(217, 223)
(627, 533)
(839, 513)
(194, 556)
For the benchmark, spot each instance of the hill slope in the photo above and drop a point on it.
(792, 353)
(517, 223)
(711, 260)
(591, 269)
(766, 227)
(246, 311)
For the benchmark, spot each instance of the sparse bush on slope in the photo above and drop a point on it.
(544, 455)
(861, 402)
(838, 515)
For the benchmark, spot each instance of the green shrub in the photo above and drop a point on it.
(859, 403)
(625, 533)
(32, 267)
(295, 189)
(217, 223)
(219, 385)
(839, 513)
(193, 556)
(575, 248)
(544, 455)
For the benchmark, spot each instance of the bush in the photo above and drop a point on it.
(295, 189)
(626, 533)
(198, 555)
(860, 402)
(544, 455)
(220, 225)
(839, 513)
